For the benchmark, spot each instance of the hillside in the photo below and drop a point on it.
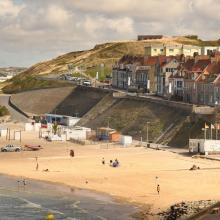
(98, 108)
(67, 101)
(90, 61)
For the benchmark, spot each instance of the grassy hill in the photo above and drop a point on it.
(90, 60)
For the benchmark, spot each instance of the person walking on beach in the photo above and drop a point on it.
(103, 161)
(72, 153)
(158, 189)
(24, 182)
(37, 166)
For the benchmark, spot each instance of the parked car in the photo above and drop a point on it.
(54, 138)
(87, 83)
(10, 148)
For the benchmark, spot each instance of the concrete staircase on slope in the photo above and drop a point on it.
(170, 132)
(98, 109)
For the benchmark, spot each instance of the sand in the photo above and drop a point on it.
(134, 181)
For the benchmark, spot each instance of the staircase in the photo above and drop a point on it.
(170, 132)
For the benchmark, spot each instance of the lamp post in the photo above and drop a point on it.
(55, 115)
(147, 131)
(141, 137)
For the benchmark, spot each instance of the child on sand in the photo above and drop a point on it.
(103, 161)
(37, 166)
(158, 189)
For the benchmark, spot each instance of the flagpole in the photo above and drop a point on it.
(215, 131)
(211, 131)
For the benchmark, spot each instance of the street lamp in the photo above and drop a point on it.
(147, 131)
(56, 115)
(141, 137)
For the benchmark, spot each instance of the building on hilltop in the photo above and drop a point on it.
(149, 37)
(209, 50)
(171, 50)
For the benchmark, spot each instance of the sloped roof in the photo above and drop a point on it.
(129, 59)
(200, 65)
(151, 60)
(212, 68)
(188, 64)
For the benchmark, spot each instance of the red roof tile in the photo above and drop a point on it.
(200, 65)
(212, 68)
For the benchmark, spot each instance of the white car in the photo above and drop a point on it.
(54, 138)
(87, 83)
(10, 148)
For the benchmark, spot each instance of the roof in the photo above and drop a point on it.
(212, 68)
(150, 61)
(200, 65)
(129, 59)
(188, 64)
(161, 60)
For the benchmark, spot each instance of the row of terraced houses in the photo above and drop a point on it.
(187, 73)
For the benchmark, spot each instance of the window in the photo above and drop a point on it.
(171, 50)
(161, 50)
(155, 50)
(179, 84)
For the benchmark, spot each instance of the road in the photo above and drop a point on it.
(15, 115)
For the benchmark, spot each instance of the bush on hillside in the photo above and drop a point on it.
(30, 83)
(3, 111)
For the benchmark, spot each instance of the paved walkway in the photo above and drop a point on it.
(15, 115)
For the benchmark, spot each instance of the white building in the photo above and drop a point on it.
(4, 77)
(209, 49)
(205, 146)
(171, 50)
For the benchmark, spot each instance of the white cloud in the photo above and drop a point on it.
(57, 16)
(8, 8)
(31, 31)
(96, 25)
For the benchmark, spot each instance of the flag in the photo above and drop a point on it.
(206, 126)
(212, 126)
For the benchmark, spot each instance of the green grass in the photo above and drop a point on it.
(103, 71)
(201, 43)
(3, 111)
(20, 84)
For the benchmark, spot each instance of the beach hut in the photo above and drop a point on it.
(126, 140)
(204, 146)
(3, 131)
(104, 134)
(114, 136)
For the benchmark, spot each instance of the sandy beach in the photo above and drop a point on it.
(134, 181)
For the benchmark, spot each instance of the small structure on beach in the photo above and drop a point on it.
(108, 134)
(61, 119)
(204, 146)
(126, 140)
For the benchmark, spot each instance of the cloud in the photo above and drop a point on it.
(99, 25)
(57, 16)
(31, 31)
(8, 8)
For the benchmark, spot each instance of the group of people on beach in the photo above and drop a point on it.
(112, 163)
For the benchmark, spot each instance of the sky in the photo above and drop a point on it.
(36, 30)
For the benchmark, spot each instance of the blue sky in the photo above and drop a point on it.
(34, 30)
